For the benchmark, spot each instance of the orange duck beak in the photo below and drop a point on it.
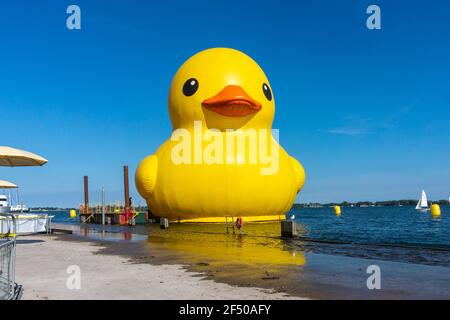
(232, 101)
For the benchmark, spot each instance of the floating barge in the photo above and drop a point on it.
(123, 214)
(112, 218)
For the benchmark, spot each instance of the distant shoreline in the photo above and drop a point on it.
(366, 204)
(363, 204)
(39, 209)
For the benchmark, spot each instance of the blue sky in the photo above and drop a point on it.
(365, 111)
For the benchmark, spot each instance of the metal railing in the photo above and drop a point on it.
(26, 224)
(8, 287)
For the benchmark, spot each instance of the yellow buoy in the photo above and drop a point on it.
(337, 210)
(73, 214)
(435, 211)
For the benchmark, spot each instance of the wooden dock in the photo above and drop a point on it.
(118, 213)
(111, 218)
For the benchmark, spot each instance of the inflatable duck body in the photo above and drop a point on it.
(222, 159)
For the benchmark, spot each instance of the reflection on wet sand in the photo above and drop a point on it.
(259, 258)
(257, 245)
(99, 234)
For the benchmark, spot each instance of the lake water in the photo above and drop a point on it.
(400, 234)
(376, 226)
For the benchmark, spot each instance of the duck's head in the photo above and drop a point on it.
(223, 88)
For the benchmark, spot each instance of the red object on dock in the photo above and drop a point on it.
(128, 213)
(123, 219)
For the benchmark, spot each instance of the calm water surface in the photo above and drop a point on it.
(376, 226)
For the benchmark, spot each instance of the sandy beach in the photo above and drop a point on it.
(42, 263)
(205, 262)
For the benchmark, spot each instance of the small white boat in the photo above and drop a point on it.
(4, 204)
(423, 202)
(19, 208)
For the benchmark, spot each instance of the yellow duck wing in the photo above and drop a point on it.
(299, 174)
(145, 177)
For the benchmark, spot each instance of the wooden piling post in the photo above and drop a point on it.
(164, 223)
(288, 229)
(127, 205)
(86, 194)
(126, 187)
(103, 206)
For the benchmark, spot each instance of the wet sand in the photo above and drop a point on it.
(42, 262)
(203, 257)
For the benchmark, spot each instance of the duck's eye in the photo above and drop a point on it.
(267, 92)
(190, 87)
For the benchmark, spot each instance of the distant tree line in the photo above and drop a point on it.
(50, 209)
(388, 203)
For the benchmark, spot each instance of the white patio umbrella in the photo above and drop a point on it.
(11, 157)
(7, 185)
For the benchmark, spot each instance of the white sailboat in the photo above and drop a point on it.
(423, 202)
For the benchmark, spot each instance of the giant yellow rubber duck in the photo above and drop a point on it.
(222, 159)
